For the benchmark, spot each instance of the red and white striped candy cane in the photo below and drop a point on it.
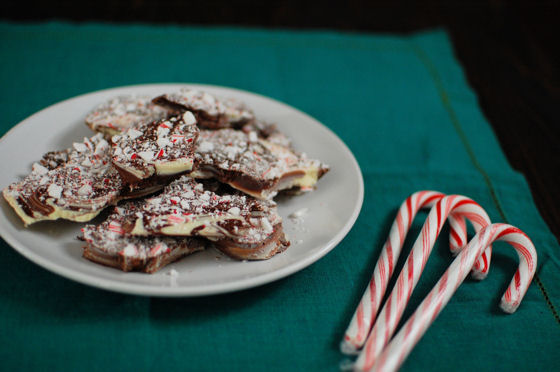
(458, 240)
(393, 309)
(411, 332)
(364, 315)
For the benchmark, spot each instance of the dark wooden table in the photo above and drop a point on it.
(512, 61)
(507, 49)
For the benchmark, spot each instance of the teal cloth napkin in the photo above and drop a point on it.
(402, 105)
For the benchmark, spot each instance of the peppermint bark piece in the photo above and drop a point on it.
(267, 131)
(255, 166)
(210, 112)
(74, 184)
(108, 244)
(242, 227)
(124, 112)
(150, 155)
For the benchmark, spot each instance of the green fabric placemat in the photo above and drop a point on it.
(404, 108)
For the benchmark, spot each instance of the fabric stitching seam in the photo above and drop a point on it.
(432, 71)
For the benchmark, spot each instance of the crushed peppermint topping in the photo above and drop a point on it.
(163, 142)
(267, 227)
(230, 151)
(252, 137)
(123, 112)
(236, 216)
(129, 250)
(155, 143)
(189, 118)
(234, 211)
(80, 147)
(109, 238)
(79, 179)
(211, 111)
(54, 191)
(205, 146)
(145, 155)
(39, 169)
(133, 133)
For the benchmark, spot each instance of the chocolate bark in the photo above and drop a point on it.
(74, 184)
(255, 166)
(153, 154)
(210, 112)
(109, 245)
(241, 226)
(123, 112)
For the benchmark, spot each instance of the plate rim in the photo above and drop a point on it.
(204, 290)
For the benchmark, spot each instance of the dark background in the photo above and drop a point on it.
(507, 49)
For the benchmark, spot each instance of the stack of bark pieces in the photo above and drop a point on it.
(185, 170)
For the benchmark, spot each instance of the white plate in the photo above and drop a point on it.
(332, 208)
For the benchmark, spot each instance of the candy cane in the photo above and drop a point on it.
(364, 315)
(411, 332)
(458, 238)
(458, 241)
(393, 309)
